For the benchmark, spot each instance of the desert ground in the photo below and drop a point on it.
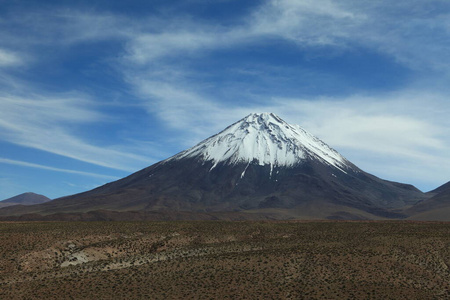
(225, 260)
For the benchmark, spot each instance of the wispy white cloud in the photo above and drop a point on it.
(31, 116)
(49, 123)
(147, 47)
(406, 31)
(379, 25)
(185, 110)
(397, 124)
(8, 58)
(42, 167)
(414, 33)
(61, 27)
(319, 22)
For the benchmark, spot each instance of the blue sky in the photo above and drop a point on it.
(91, 91)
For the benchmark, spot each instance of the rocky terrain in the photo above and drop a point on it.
(216, 259)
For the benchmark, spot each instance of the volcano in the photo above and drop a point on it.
(258, 166)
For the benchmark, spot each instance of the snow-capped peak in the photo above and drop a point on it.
(266, 139)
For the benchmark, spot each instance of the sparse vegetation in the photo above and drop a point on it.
(226, 260)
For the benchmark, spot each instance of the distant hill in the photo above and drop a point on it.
(437, 208)
(24, 199)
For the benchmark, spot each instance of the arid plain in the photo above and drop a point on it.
(225, 260)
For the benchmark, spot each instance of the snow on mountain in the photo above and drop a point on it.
(266, 139)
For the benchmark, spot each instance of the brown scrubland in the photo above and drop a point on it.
(225, 260)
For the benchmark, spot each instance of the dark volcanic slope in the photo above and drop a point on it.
(190, 186)
(259, 164)
(24, 199)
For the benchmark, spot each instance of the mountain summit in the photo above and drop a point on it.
(258, 166)
(264, 139)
